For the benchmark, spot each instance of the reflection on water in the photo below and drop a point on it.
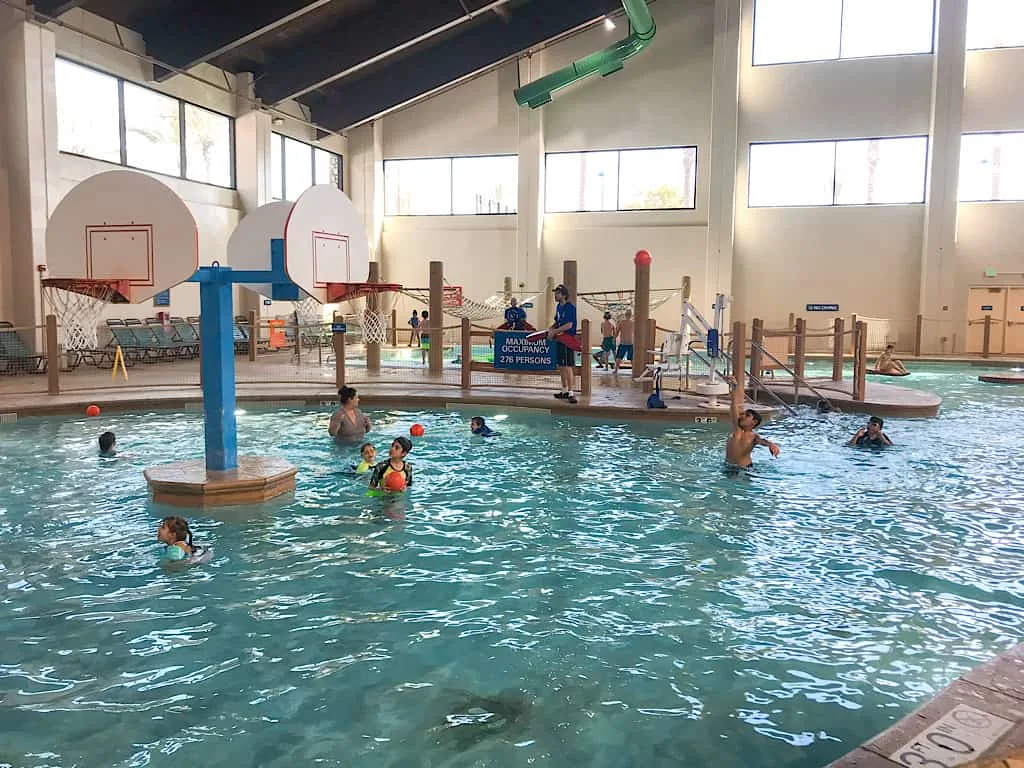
(572, 592)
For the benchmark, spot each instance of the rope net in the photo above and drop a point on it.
(78, 313)
(617, 302)
(879, 332)
(488, 309)
(368, 306)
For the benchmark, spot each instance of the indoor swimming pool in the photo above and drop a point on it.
(569, 593)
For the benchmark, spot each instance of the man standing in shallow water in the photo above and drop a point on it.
(743, 439)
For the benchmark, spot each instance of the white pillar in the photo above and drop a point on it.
(29, 150)
(530, 199)
(725, 86)
(365, 176)
(938, 253)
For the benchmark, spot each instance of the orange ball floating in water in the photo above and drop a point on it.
(92, 410)
(417, 430)
(395, 482)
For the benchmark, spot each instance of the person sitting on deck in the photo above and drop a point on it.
(515, 316)
(743, 438)
(871, 436)
(888, 363)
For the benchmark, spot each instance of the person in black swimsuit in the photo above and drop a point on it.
(871, 436)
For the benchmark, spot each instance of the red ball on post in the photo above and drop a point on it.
(417, 430)
(395, 482)
(92, 410)
(643, 259)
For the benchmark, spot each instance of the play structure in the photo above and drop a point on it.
(122, 236)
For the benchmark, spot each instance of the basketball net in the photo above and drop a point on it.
(308, 311)
(78, 314)
(373, 315)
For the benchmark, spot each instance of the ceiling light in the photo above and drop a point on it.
(277, 121)
(609, 24)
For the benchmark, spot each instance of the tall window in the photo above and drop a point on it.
(160, 133)
(296, 166)
(621, 180)
(992, 166)
(995, 24)
(451, 186)
(813, 30)
(849, 172)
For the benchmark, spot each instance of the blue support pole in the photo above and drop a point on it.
(216, 329)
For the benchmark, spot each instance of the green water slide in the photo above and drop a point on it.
(604, 62)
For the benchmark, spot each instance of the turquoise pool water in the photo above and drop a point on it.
(572, 593)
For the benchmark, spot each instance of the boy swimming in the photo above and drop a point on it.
(108, 445)
(743, 438)
(367, 455)
(871, 436)
(396, 462)
(478, 426)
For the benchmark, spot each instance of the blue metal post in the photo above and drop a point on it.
(216, 329)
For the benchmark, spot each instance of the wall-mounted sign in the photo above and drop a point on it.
(162, 299)
(822, 307)
(339, 328)
(986, 307)
(267, 302)
(527, 305)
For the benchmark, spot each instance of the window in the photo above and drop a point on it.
(621, 180)
(995, 24)
(992, 166)
(451, 186)
(207, 146)
(813, 30)
(87, 112)
(296, 166)
(110, 119)
(848, 172)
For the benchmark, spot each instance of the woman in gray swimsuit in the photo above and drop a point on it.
(348, 423)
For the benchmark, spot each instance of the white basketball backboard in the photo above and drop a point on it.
(123, 225)
(325, 242)
(249, 244)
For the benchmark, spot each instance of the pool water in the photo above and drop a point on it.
(570, 593)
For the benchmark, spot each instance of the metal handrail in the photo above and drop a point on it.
(779, 400)
(797, 380)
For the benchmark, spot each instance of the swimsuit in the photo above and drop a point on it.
(348, 431)
(608, 344)
(382, 470)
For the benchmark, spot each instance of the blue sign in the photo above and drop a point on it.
(986, 307)
(513, 352)
(339, 328)
(527, 305)
(822, 307)
(162, 299)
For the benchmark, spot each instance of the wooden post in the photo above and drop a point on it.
(756, 355)
(643, 339)
(860, 361)
(372, 307)
(853, 339)
(642, 359)
(52, 356)
(918, 331)
(467, 354)
(739, 363)
(435, 356)
(254, 335)
(800, 347)
(394, 327)
(987, 338)
(548, 303)
(585, 359)
(837, 349)
(789, 327)
(507, 288)
(570, 278)
(338, 341)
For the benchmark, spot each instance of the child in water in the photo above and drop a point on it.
(743, 438)
(108, 445)
(176, 537)
(368, 454)
(396, 462)
(478, 426)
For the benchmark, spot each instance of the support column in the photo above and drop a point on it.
(218, 371)
(570, 279)
(373, 305)
(365, 168)
(739, 363)
(939, 264)
(530, 215)
(28, 152)
(252, 174)
(435, 356)
(721, 181)
(643, 340)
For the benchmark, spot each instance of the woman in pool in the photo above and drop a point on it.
(348, 424)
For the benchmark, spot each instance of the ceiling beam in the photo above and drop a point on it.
(184, 38)
(57, 7)
(393, 27)
(347, 104)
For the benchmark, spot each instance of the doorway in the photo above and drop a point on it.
(992, 303)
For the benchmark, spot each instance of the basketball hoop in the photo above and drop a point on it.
(371, 303)
(78, 305)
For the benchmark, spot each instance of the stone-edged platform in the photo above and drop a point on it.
(189, 484)
(976, 722)
(1002, 378)
(879, 399)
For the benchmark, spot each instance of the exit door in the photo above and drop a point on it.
(1015, 321)
(982, 302)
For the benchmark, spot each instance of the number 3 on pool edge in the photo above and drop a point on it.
(921, 760)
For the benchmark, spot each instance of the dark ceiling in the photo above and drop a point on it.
(339, 57)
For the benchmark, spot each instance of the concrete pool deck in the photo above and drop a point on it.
(976, 721)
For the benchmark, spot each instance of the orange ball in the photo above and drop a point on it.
(395, 482)
(643, 259)
(92, 410)
(417, 430)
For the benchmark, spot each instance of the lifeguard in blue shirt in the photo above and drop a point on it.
(563, 333)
